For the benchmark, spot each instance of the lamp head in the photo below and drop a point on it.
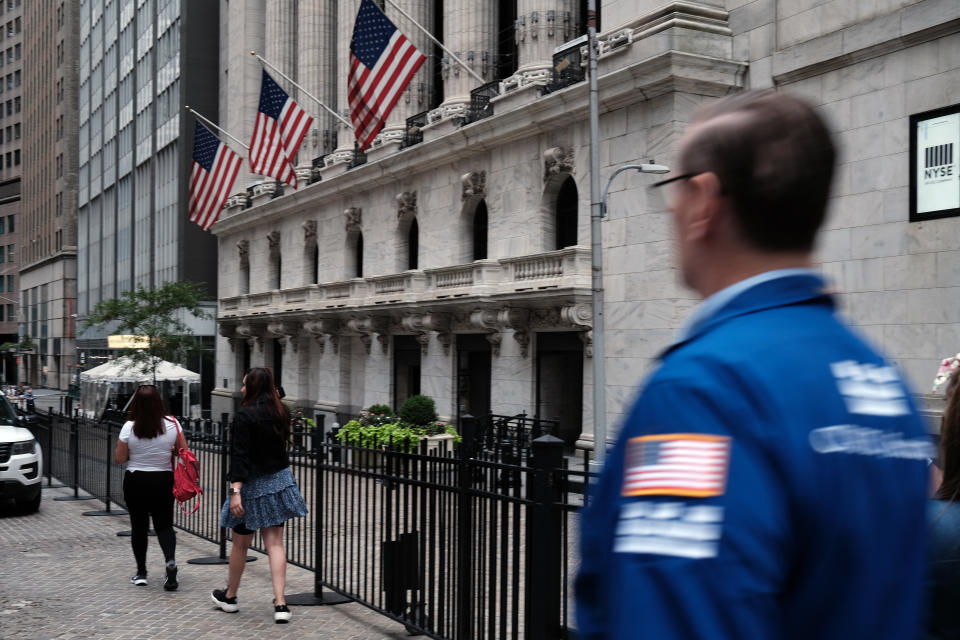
(653, 168)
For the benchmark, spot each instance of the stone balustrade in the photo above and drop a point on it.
(566, 269)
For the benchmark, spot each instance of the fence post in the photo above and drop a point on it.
(75, 450)
(49, 455)
(109, 467)
(465, 542)
(318, 596)
(544, 534)
(224, 443)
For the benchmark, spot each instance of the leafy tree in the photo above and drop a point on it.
(156, 315)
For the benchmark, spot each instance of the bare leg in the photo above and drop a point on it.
(273, 541)
(238, 560)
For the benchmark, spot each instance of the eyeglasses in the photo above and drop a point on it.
(682, 176)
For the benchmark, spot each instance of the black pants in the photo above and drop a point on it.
(150, 493)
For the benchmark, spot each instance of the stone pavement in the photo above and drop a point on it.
(65, 576)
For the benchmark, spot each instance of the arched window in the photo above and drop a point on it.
(480, 231)
(567, 214)
(358, 256)
(413, 244)
(312, 260)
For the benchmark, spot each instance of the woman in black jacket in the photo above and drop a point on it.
(263, 491)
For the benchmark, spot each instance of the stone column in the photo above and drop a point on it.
(469, 30)
(240, 82)
(346, 15)
(541, 26)
(281, 44)
(418, 94)
(317, 73)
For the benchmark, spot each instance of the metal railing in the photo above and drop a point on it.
(414, 131)
(456, 541)
(480, 105)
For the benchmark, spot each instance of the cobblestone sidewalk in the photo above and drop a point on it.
(65, 575)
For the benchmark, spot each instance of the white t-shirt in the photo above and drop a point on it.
(149, 454)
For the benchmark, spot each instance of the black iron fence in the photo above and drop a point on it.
(456, 540)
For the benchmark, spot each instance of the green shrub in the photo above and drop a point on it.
(380, 409)
(419, 410)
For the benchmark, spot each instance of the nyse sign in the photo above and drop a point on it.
(936, 178)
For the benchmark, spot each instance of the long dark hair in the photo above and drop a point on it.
(260, 391)
(147, 412)
(950, 442)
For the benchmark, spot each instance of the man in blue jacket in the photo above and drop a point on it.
(770, 481)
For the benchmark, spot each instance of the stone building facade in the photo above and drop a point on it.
(48, 271)
(140, 63)
(458, 265)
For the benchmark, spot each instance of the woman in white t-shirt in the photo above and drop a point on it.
(145, 444)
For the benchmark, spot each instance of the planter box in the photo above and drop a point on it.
(439, 445)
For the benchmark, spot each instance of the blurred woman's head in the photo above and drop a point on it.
(146, 411)
(259, 389)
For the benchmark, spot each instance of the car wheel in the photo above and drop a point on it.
(30, 505)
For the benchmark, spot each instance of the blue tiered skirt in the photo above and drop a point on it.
(268, 500)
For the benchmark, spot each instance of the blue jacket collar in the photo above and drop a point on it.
(795, 287)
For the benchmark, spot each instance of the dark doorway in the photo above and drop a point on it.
(358, 257)
(473, 375)
(406, 369)
(567, 214)
(413, 244)
(277, 362)
(560, 382)
(480, 231)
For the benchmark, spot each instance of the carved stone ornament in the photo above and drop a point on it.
(424, 340)
(323, 330)
(485, 319)
(273, 238)
(519, 321)
(243, 250)
(228, 331)
(494, 340)
(474, 185)
(587, 339)
(423, 323)
(557, 160)
(577, 315)
(406, 204)
(252, 334)
(353, 218)
(287, 333)
(310, 231)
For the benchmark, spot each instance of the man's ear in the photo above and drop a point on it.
(706, 206)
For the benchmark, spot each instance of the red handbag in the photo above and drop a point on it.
(186, 473)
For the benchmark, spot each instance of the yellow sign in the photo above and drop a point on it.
(128, 342)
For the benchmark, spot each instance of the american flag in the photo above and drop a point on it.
(277, 133)
(676, 464)
(215, 168)
(382, 63)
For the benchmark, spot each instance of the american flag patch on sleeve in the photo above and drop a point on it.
(676, 464)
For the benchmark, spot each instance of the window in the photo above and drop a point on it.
(10, 283)
(357, 256)
(10, 224)
(16, 131)
(2, 290)
(480, 232)
(10, 249)
(16, 50)
(10, 313)
(1, 254)
(2, 230)
(16, 157)
(567, 214)
(1, 136)
(413, 245)
(17, 78)
(16, 104)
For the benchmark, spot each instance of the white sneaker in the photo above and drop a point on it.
(140, 580)
(281, 614)
(219, 597)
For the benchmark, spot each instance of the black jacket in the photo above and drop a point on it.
(256, 447)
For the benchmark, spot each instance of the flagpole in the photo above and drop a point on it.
(438, 43)
(302, 90)
(206, 121)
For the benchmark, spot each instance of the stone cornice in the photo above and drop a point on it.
(664, 71)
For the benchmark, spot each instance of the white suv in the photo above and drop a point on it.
(21, 461)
